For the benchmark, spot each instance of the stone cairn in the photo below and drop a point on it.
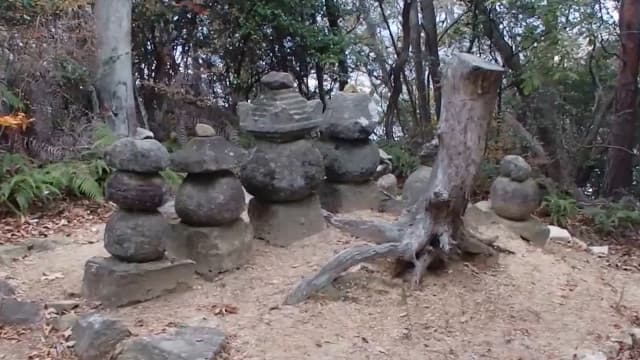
(136, 234)
(514, 194)
(350, 157)
(284, 169)
(210, 202)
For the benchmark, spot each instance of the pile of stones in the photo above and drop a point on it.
(136, 234)
(210, 202)
(514, 194)
(350, 157)
(284, 170)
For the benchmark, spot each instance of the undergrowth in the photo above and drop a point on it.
(404, 162)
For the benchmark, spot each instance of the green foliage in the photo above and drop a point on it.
(615, 218)
(404, 163)
(560, 208)
(69, 72)
(11, 99)
(172, 178)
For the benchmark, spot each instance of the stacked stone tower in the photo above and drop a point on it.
(514, 194)
(284, 170)
(136, 234)
(350, 157)
(210, 203)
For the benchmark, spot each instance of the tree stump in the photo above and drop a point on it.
(432, 228)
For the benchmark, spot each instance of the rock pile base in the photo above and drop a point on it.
(343, 198)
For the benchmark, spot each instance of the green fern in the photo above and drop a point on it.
(172, 178)
(560, 209)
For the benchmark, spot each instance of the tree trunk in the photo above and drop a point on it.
(420, 131)
(432, 228)
(332, 9)
(431, 41)
(114, 82)
(619, 171)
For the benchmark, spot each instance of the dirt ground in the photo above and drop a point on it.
(536, 304)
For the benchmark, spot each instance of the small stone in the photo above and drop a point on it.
(6, 289)
(415, 185)
(214, 249)
(204, 130)
(559, 235)
(635, 336)
(9, 253)
(350, 116)
(610, 349)
(143, 134)
(599, 250)
(349, 161)
(62, 306)
(388, 183)
(282, 224)
(345, 198)
(514, 200)
(283, 172)
(187, 343)
(515, 168)
(63, 322)
(16, 312)
(136, 236)
(484, 205)
(116, 283)
(205, 200)
(136, 192)
(590, 355)
(143, 156)
(46, 244)
(208, 155)
(278, 81)
(97, 337)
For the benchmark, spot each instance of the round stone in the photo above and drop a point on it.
(282, 172)
(206, 200)
(133, 191)
(388, 183)
(349, 161)
(350, 116)
(415, 185)
(514, 200)
(136, 236)
(278, 81)
(515, 168)
(204, 130)
(208, 155)
(143, 156)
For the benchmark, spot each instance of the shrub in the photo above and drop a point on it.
(404, 162)
(560, 208)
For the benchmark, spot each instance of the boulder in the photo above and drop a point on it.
(350, 116)
(136, 237)
(214, 249)
(186, 343)
(415, 185)
(206, 200)
(514, 200)
(388, 183)
(208, 155)
(17, 312)
(204, 130)
(143, 134)
(515, 168)
(349, 161)
(560, 235)
(283, 172)
(96, 337)
(6, 289)
(134, 191)
(143, 156)
(115, 283)
(278, 81)
(531, 230)
(344, 198)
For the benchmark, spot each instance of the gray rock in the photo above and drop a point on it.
(278, 81)
(349, 161)
(599, 250)
(115, 283)
(208, 155)
(350, 116)
(283, 172)
(6, 289)
(188, 343)
(416, 184)
(635, 336)
(63, 322)
(204, 130)
(285, 223)
(97, 337)
(388, 183)
(62, 306)
(143, 156)
(136, 192)
(345, 198)
(514, 200)
(136, 236)
(16, 312)
(590, 355)
(214, 249)
(515, 168)
(206, 200)
(143, 134)
(9, 253)
(46, 244)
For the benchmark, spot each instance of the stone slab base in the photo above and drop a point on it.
(214, 249)
(282, 224)
(116, 283)
(189, 343)
(344, 198)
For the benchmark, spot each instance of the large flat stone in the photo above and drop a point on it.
(282, 224)
(531, 230)
(115, 283)
(189, 343)
(17, 312)
(214, 249)
(96, 337)
(344, 198)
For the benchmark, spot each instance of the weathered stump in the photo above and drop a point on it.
(432, 228)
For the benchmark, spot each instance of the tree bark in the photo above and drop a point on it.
(432, 228)
(332, 9)
(431, 42)
(619, 170)
(421, 128)
(114, 82)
